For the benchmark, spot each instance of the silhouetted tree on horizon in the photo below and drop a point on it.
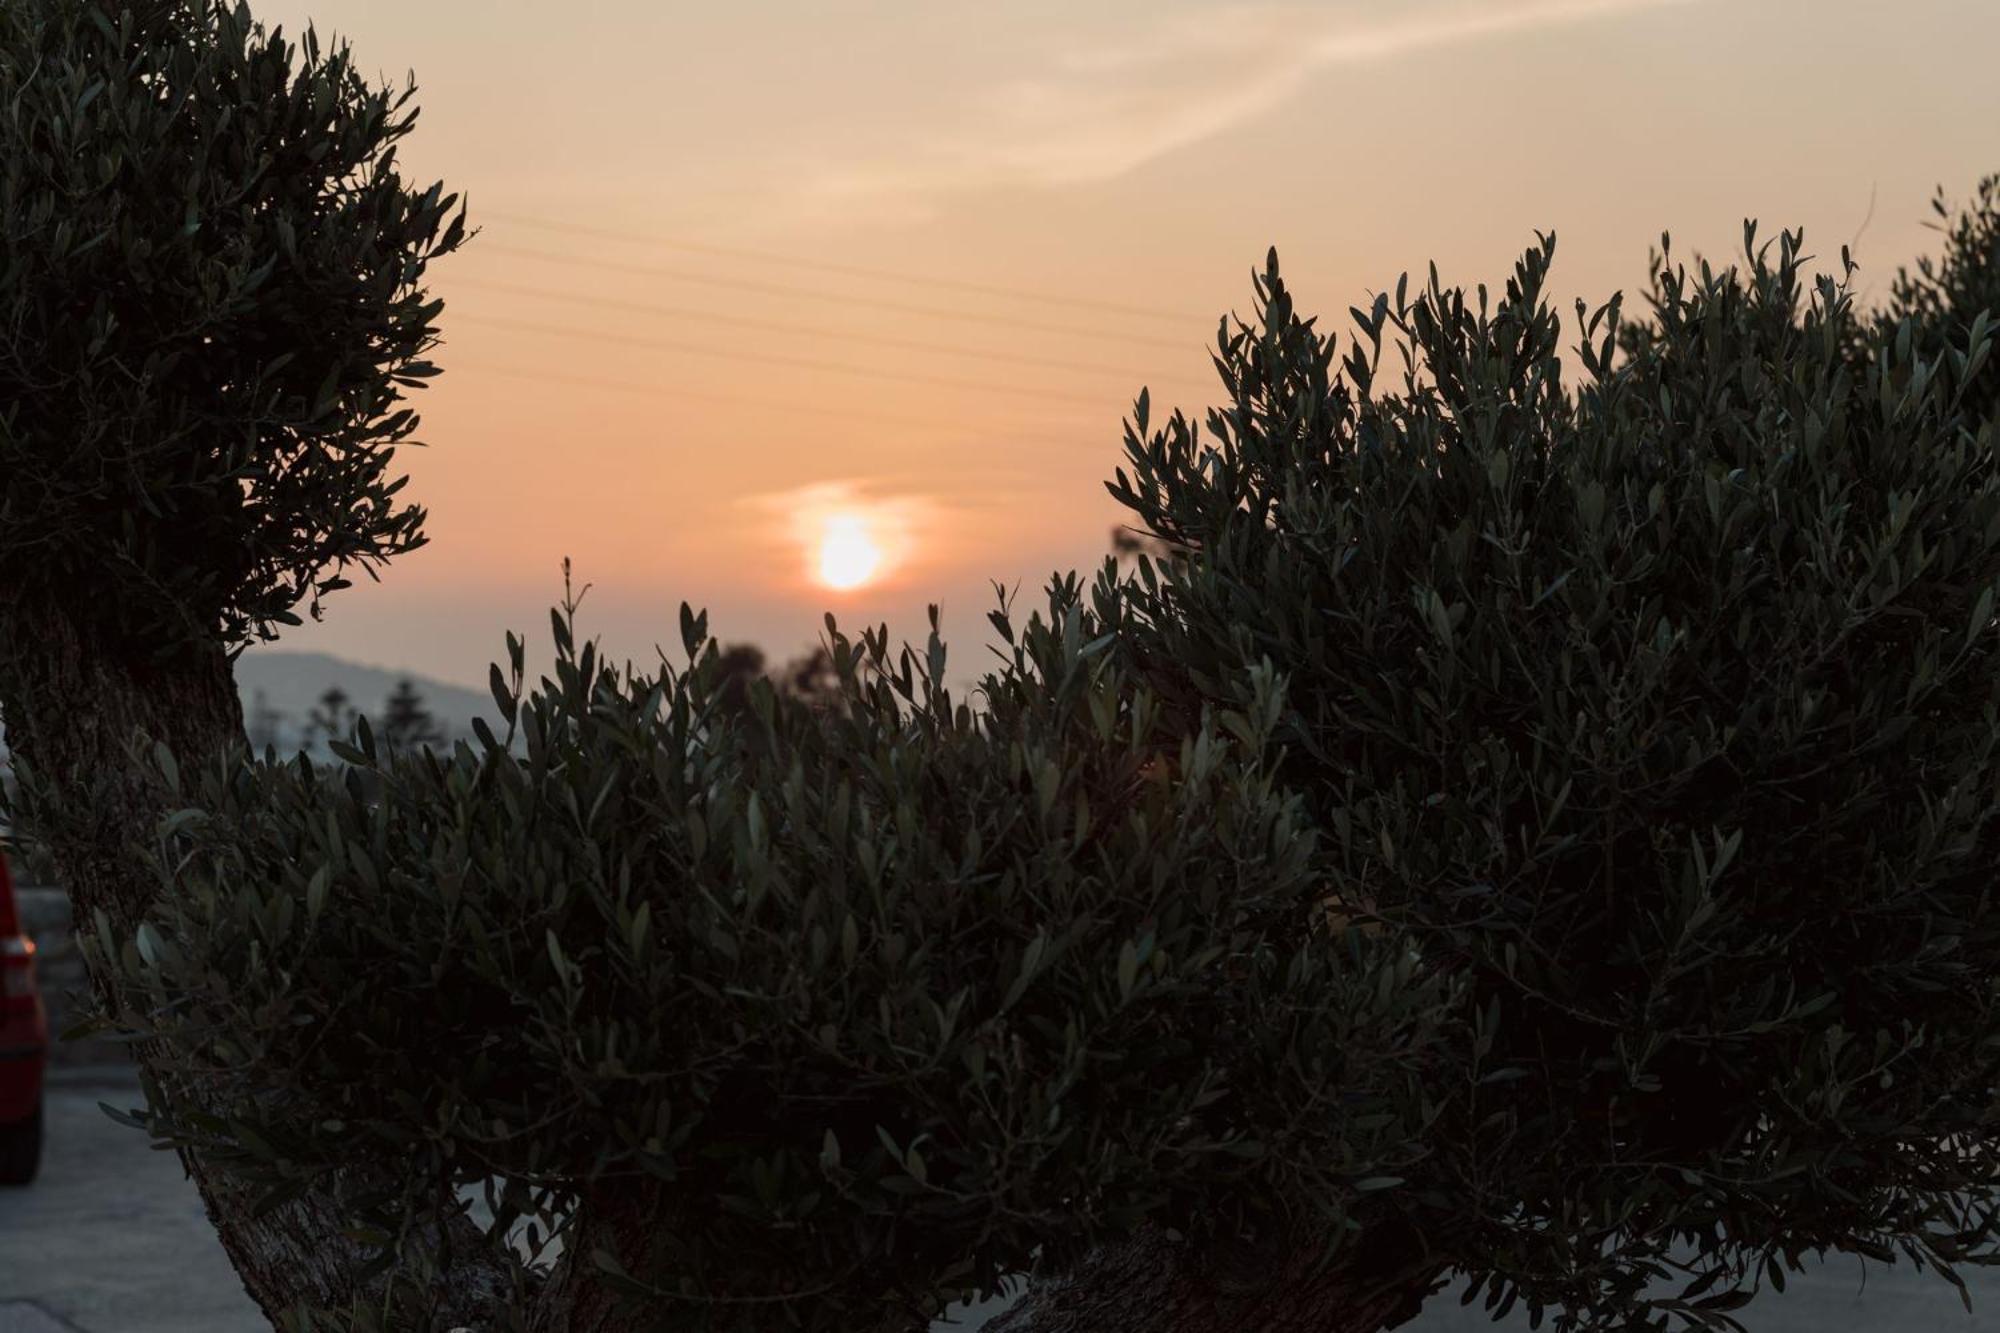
(331, 719)
(406, 723)
(264, 722)
(809, 677)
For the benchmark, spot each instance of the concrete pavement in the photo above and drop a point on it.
(112, 1236)
(112, 1239)
(27, 1317)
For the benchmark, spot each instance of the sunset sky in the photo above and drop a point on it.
(774, 296)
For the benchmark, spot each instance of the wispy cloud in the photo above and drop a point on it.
(1094, 113)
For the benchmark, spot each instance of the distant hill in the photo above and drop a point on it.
(291, 684)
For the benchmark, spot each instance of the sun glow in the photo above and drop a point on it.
(849, 537)
(849, 554)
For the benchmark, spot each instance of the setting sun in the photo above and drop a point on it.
(848, 553)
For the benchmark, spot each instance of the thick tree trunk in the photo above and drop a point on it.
(72, 707)
(1152, 1284)
(624, 1218)
(1148, 1285)
(577, 1299)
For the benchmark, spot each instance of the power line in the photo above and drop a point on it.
(773, 358)
(848, 270)
(837, 298)
(538, 374)
(804, 330)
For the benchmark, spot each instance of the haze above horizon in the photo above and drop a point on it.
(794, 307)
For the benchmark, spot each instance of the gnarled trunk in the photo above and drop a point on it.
(577, 1299)
(1152, 1284)
(624, 1218)
(72, 706)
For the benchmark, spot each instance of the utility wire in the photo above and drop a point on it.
(802, 330)
(762, 358)
(848, 270)
(539, 374)
(837, 298)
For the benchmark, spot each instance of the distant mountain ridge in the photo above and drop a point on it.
(291, 683)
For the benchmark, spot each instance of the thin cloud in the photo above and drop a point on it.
(1096, 113)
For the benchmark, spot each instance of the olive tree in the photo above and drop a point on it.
(1535, 824)
(212, 309)
(1652, 696)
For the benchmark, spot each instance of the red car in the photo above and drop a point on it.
(24, 1045)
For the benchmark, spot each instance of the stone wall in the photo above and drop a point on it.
(45, 915)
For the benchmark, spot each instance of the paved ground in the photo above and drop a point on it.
(28, 1317)
(111, 1239)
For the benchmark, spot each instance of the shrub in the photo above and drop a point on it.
(797, 1017)
(1652, 697)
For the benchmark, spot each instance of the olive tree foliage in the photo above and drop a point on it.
(1652, 696)
(211, 309)
(1937, 297)
(788, 1016)
(1541, 813)
(212, 313)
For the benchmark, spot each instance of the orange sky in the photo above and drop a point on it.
(746, 264)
